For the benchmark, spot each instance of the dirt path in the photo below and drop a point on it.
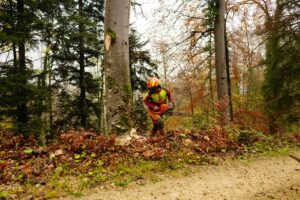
(262, 178)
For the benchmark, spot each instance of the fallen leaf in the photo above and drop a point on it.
(59, 152)
(206, 138)
(28, 151)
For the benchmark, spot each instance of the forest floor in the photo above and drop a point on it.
(217, 163)
(263, 177)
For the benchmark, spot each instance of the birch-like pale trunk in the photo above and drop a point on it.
(118, 101)
(221, 72)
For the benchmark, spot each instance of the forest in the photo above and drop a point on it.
(74, 76)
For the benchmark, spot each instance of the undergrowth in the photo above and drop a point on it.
(81, 159)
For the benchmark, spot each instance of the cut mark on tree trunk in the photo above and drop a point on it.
(107, 42)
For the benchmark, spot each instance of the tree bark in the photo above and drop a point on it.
(101, 101)
(210, 74)
(228, 75)
(13, 43)
(116, 64)
(221, 73)
(82, 84)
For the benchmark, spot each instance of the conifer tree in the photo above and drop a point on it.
(77, 48)
(281, 87)
(21, 26)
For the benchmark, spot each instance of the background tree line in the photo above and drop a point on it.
(63, 87)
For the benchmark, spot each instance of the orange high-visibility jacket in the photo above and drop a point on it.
(160, 97)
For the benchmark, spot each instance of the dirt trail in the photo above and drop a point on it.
(261, 178)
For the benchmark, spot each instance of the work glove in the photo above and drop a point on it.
(171, 106)
(155, 108)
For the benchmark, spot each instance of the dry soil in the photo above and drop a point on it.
(260, 178)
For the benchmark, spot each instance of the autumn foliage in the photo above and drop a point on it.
(23, 160)
(100, 158)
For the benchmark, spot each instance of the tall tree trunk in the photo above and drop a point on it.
(13, 27)
(15, 56)
(82, 104)
(101, 97)
(50, 95)
(228, 75)
(192, 104)
(116, 64)
(222, 84)
(46, 100)
(103, 104)
(210, 74)
(165, 69)
(22, 114)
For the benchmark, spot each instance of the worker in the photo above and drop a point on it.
(159, 100)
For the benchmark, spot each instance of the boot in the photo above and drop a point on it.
(154, 130)
(160, 127)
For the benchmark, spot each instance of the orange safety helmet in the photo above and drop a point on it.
(153, 82)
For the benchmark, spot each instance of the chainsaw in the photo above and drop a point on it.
(168, 111)
(180, 114)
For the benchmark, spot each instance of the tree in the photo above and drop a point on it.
(82, 84)
(22, 114)
(118, 99)
(76, 51)
(21, 27)
(141, 64)
(281, 86)
(221, 72)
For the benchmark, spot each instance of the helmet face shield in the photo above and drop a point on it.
(153, 89)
